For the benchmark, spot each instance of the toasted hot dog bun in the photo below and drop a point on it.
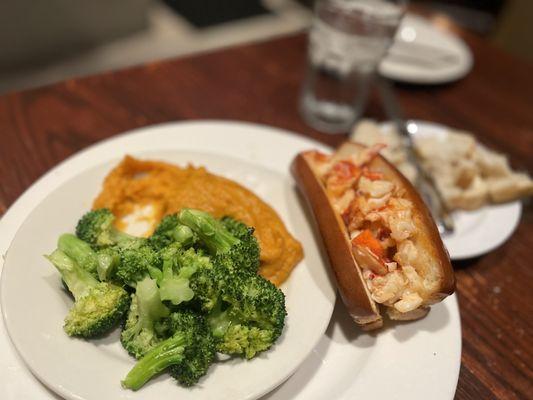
(352, 289)
(433, 279)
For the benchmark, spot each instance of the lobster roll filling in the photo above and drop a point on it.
(382, 227)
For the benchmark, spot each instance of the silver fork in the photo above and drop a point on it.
(424, 182)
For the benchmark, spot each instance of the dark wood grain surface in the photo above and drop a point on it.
(260, 83)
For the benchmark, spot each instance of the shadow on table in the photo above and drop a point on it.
(466, 263)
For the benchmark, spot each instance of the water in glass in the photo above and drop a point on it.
(346, 42)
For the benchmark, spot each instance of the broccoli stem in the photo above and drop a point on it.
(149, 302)
(108, 260)
(97, 307)
(183, 234)
(211, 232)
(162, 356)
(155, 273)
(139, 335)
(78, 250)
(176, 287)
(176, 291)
(78, 280)
(218, 320)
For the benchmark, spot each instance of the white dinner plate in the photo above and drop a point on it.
(423, 54)
(476, 232)
(417, 360)
(64, 364)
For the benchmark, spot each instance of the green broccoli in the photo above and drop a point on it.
(189, 276)
(179, 268)
(188, 353)
(119, 256)
(234, 252)
(210, 231)
(96, 228)
(142, 257)
(205, 284)
(98, 306)
(198, 357)
(249, 316)
(101, 263)
(79, 251)
(108, 262)
(197, 291)
(136, 263)
(170, 231)
(139, 334)
(246, 253)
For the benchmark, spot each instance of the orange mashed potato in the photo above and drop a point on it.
(163, 188)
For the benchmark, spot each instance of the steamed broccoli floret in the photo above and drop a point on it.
(139, 334)
(101, 263)
(189, 276)
(245, 340)
(136, 263)
(235, 251)
(210, 231)
(179, 268)
(79, 251)
(249, 316)
(199, 356)
(245, 254)
(205, 285)
(121, 257)
(96, 228)
(171, 231)
(98, 306)
(188, 353)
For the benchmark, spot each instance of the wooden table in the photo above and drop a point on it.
(260, 83)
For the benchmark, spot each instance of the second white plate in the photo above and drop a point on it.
(476, 232)
(424, 54)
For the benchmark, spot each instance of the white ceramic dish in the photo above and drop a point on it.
(476, 232)
(64, 364)
(419, 360)
(423, 54)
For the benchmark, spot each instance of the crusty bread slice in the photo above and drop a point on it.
(510, 187)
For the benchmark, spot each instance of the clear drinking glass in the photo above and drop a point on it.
(347, 40)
